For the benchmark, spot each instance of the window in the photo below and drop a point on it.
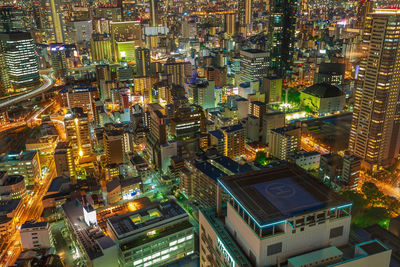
(274, 249)
(336, 232)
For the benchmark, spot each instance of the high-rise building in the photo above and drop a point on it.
(203, 93)
(234, 140)
(79, 97)
(157, 134)
(375, 124)
(157, 234)
(57, 52)
(272, 86)
(281, 39)
(244, 14)
(230, 23)
(253, 64)
(114, 146)
(13, 19)
(64, 160)
(154, 13)
(350, 171)
(179, 71)
(143, 60)
(20, 70)
(78, 132)
(284, 142)
(125, 36)
(100, 45)
(269, 217)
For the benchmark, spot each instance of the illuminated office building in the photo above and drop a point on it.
(179, 71)
(114, 146)
(234, 140)
(375, 124)
(57, 52)
(154, 15)
(78, 132)
(230, 23)
(143, 61)
(253, 64)
(57, 18)
(281, 39)
(13, 19)
(154, 235)
(63, 160)
(125, 36)
(101, 48)
(284, 142)
(272, 86)
(79, 97)
(19, 61)
(244, 14)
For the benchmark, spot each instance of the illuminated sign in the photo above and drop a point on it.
(225, 252)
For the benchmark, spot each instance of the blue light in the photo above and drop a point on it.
(342, 207)
(261, 226)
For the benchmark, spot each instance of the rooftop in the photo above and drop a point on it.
(22, 156)
(278, 193)
(57, 183)
(34, 225)
(131, 222)
(323, 90)
(315, 256)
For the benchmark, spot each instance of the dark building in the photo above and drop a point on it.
(282, 27)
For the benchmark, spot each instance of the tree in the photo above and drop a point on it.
(372, 192)
(261, 157)
(358, 200)
(373, 215)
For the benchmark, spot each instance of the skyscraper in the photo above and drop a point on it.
(58, 59)
(245, 14)
(375, 124)
(78, 132)
(281, 31)
(12, 19)
(113, 146)
(155, 20)
(253, 64)
(142, 61)
(19, 61)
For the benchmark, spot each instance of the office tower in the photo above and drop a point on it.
(157, 134)
(269, 217)
(154, 16)
(113, 146)
(13, 19)
(20, 69)
(188, 123)
(143, 61)
(163, 229)
(281, 39)
(253, 64)
(230, 23)
(64, 160)
(125, 37)
(79, 97)
(26, 164)
(216, 74)
(284, 142)
(244, 14)
(78, 132)
(179, 71)
(363, 9)
(257, 109)
(57, 15)
(100, 45)
(57, 52)
(203, 94)
(272, 86)
(350, 171)
(375, 124)
(234, 140)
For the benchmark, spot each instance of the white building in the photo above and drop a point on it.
(36, 235)
(307, 160)
(168, 150)
(272, 215)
